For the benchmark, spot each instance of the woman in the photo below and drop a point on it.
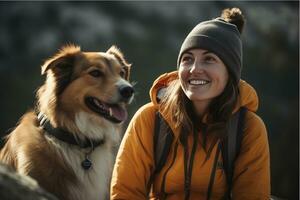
(199, 99)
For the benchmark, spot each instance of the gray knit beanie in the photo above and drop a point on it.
(220, 36)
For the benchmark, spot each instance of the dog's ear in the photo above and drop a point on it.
(64, 59)
(61, 66)
(120, 57)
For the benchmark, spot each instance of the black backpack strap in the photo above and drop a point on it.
(213, 173)
(231, 146)
(162, 140)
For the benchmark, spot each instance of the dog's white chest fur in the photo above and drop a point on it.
(94, 182)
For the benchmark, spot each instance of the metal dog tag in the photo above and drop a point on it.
(87, 163)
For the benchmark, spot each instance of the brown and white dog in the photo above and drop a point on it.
(67, 143)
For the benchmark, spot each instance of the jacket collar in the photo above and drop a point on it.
(247, 97)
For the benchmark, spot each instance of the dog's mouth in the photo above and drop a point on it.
(112, 112)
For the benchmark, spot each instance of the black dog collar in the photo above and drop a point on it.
(66, 136)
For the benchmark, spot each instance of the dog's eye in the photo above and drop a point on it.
(122, 73)
(96, 73)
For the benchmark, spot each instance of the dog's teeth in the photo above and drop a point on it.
(110, 112)
(97, 103)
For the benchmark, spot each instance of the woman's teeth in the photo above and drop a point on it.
(198, 82)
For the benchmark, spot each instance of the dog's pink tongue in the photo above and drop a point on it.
(119, 113)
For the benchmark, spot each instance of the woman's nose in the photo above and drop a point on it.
(197, 67)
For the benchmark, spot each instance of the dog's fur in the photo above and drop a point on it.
(72, 76)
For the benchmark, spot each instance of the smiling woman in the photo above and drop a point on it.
(203, 76)
(199, 106)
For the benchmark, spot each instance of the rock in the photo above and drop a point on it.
(14, 186)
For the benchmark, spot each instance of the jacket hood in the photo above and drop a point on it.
(161, 83)
(247, 97)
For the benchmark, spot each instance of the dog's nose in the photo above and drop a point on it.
(126, 92)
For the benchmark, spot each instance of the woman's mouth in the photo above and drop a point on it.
(198, 82)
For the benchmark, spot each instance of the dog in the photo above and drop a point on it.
(66, 143)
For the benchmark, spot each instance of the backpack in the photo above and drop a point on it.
(163, 138)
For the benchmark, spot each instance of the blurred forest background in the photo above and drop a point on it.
(150, 35)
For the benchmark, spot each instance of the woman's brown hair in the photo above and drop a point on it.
(181, 109)
(184, 117)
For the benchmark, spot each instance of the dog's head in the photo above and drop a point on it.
(95, 83)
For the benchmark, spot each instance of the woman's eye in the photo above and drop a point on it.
(209, 59)
(187, 60)
(96, 73)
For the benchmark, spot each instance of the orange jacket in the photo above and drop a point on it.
(134, 162)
